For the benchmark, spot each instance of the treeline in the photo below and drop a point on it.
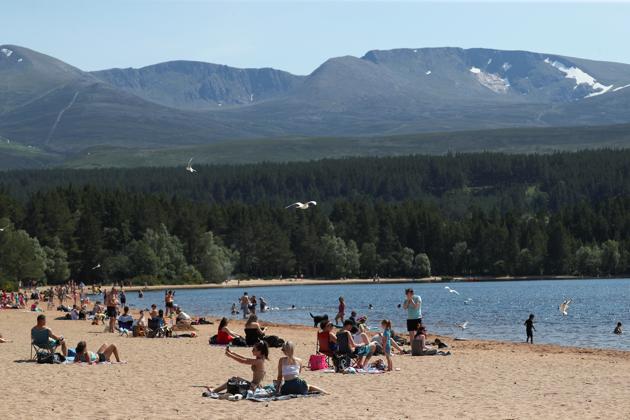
(484, 214)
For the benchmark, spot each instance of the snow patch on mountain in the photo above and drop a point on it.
(620, 87)
(581, 78)
(493, 82)
(6, 51)
(506, 66)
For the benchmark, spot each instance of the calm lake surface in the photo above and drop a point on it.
(494, 310)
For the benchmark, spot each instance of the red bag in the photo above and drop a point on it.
(317, 362)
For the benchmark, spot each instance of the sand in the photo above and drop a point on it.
(160, 380)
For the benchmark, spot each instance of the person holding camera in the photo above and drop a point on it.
(237, 385)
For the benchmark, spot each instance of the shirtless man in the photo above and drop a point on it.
(111, 302)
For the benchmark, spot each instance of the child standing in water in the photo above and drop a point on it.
(342, 311)
(529, 329)
(618, 329)
(387, 347)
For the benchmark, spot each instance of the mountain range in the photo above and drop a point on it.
(58, 109)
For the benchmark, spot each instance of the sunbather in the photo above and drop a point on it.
(224, 334)
(289, 369)
(261, 355)
(103, 354)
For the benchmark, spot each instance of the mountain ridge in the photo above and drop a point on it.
(59, 108)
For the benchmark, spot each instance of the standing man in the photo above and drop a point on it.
(245, 305)
(111, 302)
(413, 305)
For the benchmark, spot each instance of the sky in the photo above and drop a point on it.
(299, 35)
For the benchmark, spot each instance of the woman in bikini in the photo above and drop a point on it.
(103, 354)
(261, 355)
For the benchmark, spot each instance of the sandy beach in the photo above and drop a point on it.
(161, 379)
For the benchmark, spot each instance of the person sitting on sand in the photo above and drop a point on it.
(103, 354)
(153, 313)
(289, 369)
(99, 313)
(618, 329)
(359, 334)
(253, 331)
(224, 335)
(182, 319)
(43, 337)
(74, 313)
(261, 355)
(345, 343)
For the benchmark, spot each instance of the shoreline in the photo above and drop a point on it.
(235, 284)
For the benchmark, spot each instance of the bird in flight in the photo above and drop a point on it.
(564, 307)
(451, 290)
(96, 266)
(301, 206)
(462, 325)
(189, 167)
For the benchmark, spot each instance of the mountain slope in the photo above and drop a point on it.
(61, 109)
(197, 85)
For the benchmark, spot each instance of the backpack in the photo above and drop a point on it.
(239, 342)
(274, 341)
(50, 358)
(341, 362)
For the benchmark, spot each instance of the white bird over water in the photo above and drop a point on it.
(189, 167)
(301, 206)
(564, 307)
(462, 325)
(96, 266)
(451, 290)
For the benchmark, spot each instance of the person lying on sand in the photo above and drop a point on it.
(103, 354)
(261, 355)
(289, 369)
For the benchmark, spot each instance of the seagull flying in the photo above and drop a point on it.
(301, 206)
(189, 167)
(462, 325)
(96, 266)
(564, 307)
(451, 290)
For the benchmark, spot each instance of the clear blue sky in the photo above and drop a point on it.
(297, 36)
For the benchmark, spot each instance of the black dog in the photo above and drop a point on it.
(317, 319)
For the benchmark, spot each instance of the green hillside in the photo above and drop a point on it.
(527, 140)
